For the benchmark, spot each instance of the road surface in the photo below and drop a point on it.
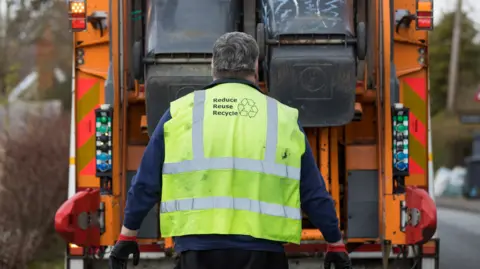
(459, 233)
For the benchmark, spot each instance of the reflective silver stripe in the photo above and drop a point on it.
(266, 167)
(272, 130)
(197, 124)
(199, 162)
(231, 203)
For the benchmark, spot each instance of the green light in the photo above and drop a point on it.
(103, 119)
(102, 129)
(400, 118)
(401, 128)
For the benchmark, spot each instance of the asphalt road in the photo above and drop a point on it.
(459, 233)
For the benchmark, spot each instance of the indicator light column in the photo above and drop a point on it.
(103, 147)
(400, 139)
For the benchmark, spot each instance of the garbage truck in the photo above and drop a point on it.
(357, 71)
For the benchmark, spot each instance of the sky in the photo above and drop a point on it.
(471, 6)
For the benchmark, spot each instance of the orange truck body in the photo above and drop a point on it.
(354, 157)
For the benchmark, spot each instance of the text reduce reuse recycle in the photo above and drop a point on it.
(225, 106)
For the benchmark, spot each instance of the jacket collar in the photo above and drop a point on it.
(232, 80)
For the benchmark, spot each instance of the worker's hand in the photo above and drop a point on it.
(338, 256)
(125, 246)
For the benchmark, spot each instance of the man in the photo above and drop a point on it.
(232, 168)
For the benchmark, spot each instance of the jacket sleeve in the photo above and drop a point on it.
(315, 201)
(146, 188)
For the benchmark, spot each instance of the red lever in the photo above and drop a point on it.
(422, 223)
(77, 219)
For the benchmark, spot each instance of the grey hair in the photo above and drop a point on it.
(235, 55)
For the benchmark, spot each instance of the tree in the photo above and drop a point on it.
(440, 43)
(22, 22)
(28, 29)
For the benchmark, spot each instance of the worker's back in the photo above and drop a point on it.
(241, 119)
(223, 150)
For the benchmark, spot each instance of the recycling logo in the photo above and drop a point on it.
(247, 108)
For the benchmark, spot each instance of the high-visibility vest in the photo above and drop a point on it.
(232, 166)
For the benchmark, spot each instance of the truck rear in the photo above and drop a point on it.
(357, 71)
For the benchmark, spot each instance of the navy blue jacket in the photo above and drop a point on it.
(146, 190)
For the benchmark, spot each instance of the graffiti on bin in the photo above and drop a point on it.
(304, 16)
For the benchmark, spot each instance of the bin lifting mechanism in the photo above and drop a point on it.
(77, 219)
(419, 216)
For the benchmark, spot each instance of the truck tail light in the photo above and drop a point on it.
(77, 15)
(424, 18)
(75, 250)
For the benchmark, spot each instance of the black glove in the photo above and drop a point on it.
(120, 252)
(338, 256)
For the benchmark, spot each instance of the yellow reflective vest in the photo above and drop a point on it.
(232, 166)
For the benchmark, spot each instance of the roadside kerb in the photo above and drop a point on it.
(458, 204)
